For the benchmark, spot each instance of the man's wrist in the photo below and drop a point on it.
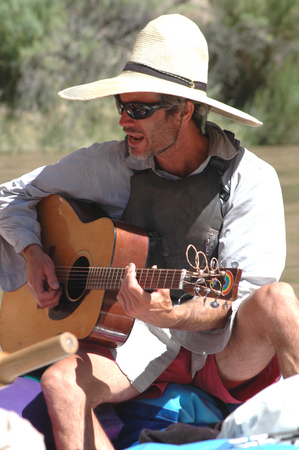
(30, 250)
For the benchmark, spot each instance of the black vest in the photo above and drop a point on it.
(180, 212)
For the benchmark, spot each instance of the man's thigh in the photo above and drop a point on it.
(249, 350)
(96, 376)
(108, 378)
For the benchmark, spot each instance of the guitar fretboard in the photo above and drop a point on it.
(110, 278)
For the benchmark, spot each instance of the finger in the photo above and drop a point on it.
(130, 273)
(124, 295)
(129, 281)
(45, 296)
(53, 283)
(51, 278)
(49, 299)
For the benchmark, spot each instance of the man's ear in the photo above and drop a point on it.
(189, 109)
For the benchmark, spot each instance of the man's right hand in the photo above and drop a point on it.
(42, 280)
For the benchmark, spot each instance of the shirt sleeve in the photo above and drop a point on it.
(19, 197)
(96, 174)
(253, 233)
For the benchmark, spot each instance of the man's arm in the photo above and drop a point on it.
(157, 309)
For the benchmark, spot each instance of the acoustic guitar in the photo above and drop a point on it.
(90, 252)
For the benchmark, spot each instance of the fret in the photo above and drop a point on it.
(145, 281)
(102, 284)
(164, 279)
(90, 278)
(159, 276)
(167, 278)
(173, 278)
(152, 279)
(119, 277)
(140, 277)
(102, 277)
(112, 279)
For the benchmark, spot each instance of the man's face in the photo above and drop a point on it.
(148, 137)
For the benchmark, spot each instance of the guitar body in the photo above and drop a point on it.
(75, 235)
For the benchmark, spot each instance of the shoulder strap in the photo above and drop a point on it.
(221, 165)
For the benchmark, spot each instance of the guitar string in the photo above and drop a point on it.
(82, 275)
(111, 277)
(106, 271)
(99, 278)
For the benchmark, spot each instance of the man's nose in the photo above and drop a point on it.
(125, 120)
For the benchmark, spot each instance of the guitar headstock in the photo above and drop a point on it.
(211, 280)
(221, 283)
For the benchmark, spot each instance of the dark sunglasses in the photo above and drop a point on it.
(135, 110)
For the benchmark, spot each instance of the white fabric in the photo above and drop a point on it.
(271, 411)
(17, 433)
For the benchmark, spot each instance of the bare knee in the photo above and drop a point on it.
(59, 379)
(86, 377)
(261, 327)
(70, 381)
(275, 300)
(269, 311)
(280, 290)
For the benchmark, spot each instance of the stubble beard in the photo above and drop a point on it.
(156, 148)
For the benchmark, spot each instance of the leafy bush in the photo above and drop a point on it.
(49, 45)
(22, 24)
(277, 106)
(254, 52)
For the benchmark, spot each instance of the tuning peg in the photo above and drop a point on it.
(235, 264)
(225, 305)
(214, 303)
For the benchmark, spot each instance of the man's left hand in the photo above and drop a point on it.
(155, 308)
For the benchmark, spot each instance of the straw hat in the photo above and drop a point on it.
(170, 56)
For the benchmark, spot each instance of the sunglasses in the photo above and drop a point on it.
(136, 110)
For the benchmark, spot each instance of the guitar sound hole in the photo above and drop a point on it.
(76, 283)
(74, 292)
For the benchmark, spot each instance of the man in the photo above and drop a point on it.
(193, 184)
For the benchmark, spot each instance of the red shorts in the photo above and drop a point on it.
(207, 379)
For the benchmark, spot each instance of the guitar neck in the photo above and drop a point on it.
(110, 278)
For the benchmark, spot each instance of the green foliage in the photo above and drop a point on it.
(48, 45)
(22, 23)
(93, 41)
(277, 106)
(80, 41)
(249, 40)
(254, 63)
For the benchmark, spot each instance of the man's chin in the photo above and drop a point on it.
(136, 154)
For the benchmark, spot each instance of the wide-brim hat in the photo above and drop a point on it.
(170, 56)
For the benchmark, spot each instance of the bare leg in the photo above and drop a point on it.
(73, 387)
(267, 323)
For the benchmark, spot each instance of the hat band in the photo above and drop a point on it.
(141, 68)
